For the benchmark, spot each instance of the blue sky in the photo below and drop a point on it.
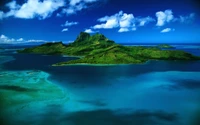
(124, 21)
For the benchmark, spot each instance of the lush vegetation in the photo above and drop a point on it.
(97, 49)
(82, 46)
(47, 48)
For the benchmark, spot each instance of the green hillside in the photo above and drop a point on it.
(47, 48)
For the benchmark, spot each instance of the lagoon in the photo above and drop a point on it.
(157, 92)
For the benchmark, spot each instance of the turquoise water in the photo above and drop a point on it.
(155, 93)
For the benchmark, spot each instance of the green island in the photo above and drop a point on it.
(165, 46)
(97, 49)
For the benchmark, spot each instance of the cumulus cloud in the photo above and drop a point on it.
(144, 21)
(67, 23)
(164, 17)
(64, 30)
(167, 17)
(13, 5)
(32, 40)
(89, 31)
(110, 21)
(20, 39)
(167, 30)
(6, 40)
(75, 6)
(123, 30)
(36, 8)
(75, 2)
(33, 8)
(3, 37)
(125, 22)
(45, 8)
(67, 11)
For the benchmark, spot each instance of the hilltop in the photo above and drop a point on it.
(97, 49)
(83, 45)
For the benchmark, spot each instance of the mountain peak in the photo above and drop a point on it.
(82, 37)
(86, 39)
(99, 36)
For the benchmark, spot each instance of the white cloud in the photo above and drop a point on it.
(89, 1)
(134, 28)
(68, 11)
(67, 23)
(6, 40)
(74, 2)
(123, 30)
(3, 37)
(167, 30)
(64, 30)
(111, 23)
(20, 39)
(32, 40)
(89, 31)
(125, 22)
(167, 16)
(33, 8)
(13, 5)
(144, 21)
(120, 20)
(75, 6)
(36, 8)
(44, 8)
(164, 17)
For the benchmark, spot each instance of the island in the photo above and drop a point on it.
(97, 49)
(165, 46)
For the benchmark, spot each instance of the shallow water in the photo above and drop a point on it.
(158, 92)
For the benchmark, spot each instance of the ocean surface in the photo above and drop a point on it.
(154, 93)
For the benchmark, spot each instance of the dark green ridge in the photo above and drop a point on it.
(97, 49)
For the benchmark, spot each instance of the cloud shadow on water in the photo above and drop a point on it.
(102, 117)
(16, 88)
(93, 102)
(108, 117)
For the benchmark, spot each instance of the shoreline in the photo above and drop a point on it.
(146, 62)
(89, 64)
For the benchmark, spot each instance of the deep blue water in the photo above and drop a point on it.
(155, 93)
